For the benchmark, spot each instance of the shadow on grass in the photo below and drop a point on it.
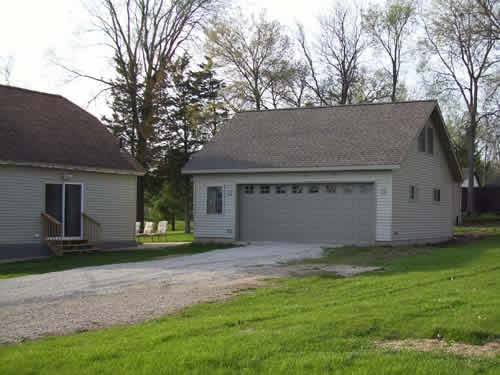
(71, 261)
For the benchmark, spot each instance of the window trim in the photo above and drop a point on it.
(221, 188)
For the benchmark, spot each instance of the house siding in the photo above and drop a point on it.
(225, 226)
(424, 220)
(108, 198)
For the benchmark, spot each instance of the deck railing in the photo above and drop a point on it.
(52, 233)
(91, 229)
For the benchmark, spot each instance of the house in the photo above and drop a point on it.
(64, 181)
(351, 174)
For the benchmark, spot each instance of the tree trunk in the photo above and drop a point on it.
(173, 222)
(471, 209)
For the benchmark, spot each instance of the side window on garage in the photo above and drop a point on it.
(214, 200)
(413, 193)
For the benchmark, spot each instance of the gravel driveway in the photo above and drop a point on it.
(94, 297)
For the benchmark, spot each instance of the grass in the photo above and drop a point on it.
(66, 262)
(463, 229)
(482, 219)
(312, 325)
(177, 236)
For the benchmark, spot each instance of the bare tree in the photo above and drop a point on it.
(340, 47)
(490, 25)
(6, 69)
(255, 54)
(465, 60)
(389, 28)
(314, 81)
(144, 36)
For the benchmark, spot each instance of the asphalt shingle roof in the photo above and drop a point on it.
(322, 137)
(49, 129)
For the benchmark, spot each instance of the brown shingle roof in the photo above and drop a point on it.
(324, 137)
(40, 128)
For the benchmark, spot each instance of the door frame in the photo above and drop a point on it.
(64, 210)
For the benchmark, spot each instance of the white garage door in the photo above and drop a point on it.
(324, 213)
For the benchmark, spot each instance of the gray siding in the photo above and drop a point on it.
(109, 198)
(225, 226)
(423, 220)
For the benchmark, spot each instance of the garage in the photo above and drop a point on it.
(321, 213)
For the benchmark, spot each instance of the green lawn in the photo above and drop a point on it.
(309, 325)
(66, 262)
(484, 219)
(177, 236)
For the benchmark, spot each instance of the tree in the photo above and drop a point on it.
(255, 54)
(191, 112)
(340, 47)
(489, 18)
(6, 69)
(463, 61)
(144, 36)
(389, 28)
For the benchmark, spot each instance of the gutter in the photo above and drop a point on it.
(72, 167)
(290, 170)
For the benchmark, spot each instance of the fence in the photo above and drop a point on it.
(487, 199)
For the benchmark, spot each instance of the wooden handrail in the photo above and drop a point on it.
(90, 219)
(52, 233)
(51, 218)
(91, 229)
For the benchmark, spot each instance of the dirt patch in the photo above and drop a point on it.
(489, 350)
(298, 270)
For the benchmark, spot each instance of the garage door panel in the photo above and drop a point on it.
(346, 215)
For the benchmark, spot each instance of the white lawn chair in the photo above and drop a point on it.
(162, 229)
(137, 228)
(149, 228)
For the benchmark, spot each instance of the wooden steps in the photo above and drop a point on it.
(74, 246)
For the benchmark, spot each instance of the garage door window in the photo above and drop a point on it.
(214, 200)
(313, 189)
(330, 188)
(249, 189)
(280, 189)
(265, 189)
(297, 189)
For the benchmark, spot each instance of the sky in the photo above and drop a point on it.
(40, 35)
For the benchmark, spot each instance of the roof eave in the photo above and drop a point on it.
(72, 167)
(380, 167)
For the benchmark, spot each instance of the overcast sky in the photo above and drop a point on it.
(36, 33)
